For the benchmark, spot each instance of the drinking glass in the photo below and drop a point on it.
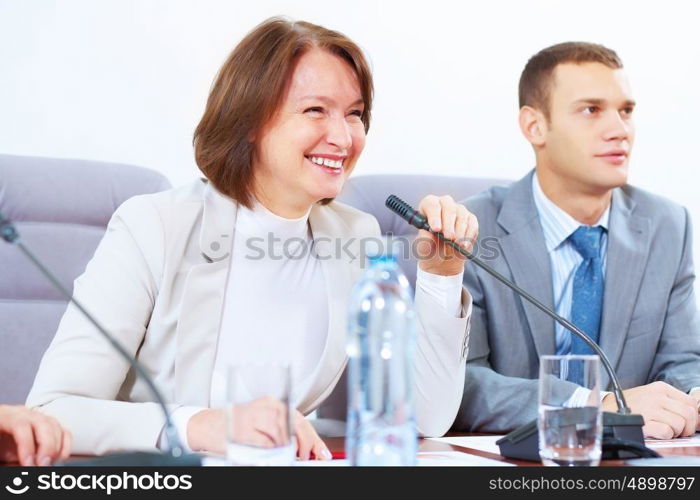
(570, 427)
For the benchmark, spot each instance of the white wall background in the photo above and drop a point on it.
(126, 80)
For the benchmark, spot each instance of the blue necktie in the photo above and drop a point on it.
(587, 301)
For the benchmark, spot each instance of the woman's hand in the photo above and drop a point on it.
(262, 422)
(308, 440)
(259, 423)
(30, 437)
(457, 224)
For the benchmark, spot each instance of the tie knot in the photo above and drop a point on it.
(586, 239)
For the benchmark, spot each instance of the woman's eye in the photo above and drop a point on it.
(314, 109)
(356, 112)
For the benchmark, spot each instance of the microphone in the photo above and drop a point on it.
(176, 455)
(522, 442)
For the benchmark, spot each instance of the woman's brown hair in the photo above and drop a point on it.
(248, 90)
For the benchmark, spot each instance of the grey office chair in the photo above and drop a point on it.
(61, 209)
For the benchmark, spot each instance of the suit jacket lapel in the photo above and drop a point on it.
(341, 268)
(202, 300)
(628, 249)
(525, 252)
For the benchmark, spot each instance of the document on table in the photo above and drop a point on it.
(456, 459)
(425, 459)
(481, 443)
(674, 443)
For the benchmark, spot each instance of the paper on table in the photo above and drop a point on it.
(425, 459)
(323, 463)
(674, 443)
(482, 443)
(456, 459)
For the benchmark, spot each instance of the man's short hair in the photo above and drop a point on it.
(537, 78)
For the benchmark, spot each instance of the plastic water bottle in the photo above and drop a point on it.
(381, 343)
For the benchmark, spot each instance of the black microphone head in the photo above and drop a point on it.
(407, 212)
(398, 206)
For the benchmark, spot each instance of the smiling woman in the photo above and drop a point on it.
(283, 76)
(310, 146)
(283, 128)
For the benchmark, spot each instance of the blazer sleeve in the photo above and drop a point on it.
(81, 374)
(677, 359)
(441, 354)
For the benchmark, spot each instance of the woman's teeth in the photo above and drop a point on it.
(337, 164)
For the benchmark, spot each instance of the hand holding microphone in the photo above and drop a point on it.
(455, 223)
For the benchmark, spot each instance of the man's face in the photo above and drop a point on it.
(588, 138)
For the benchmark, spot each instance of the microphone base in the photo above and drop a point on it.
(523, 442)
(138, 459)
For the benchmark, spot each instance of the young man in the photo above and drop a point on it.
(612, 258)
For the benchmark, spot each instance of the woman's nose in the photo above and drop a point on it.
(338, 133)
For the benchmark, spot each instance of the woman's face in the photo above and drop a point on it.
(308, 149)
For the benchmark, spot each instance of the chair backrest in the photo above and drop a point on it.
(369, 192)
(60, 209)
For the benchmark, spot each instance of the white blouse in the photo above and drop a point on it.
(272, 269)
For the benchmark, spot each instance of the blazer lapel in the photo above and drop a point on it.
(628, 249)
(202, 300)
(339, 252)
(525, 252)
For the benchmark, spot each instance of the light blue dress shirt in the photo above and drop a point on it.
(557, 226)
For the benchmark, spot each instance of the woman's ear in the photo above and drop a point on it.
(533, 125)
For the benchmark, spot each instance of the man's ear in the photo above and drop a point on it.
(533, 125)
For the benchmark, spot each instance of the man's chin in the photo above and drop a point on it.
(612, 177)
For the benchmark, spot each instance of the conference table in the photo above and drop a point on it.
(337, 444)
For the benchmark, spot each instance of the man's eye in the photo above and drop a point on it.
(628, 111)
(590, 110)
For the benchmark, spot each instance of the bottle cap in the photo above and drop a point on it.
(385, 248)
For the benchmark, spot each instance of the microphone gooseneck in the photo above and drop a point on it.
(415, 218)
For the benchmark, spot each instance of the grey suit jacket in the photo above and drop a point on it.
(650, 327)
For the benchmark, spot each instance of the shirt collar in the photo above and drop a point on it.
(557, 225)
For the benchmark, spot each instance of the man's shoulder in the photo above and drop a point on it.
(486, 206)
(487, 201)
(657, 208)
